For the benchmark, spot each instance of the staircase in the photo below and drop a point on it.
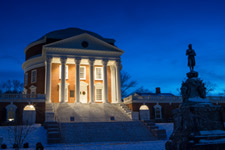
(159, 134)
(85, 132)
(49, 112)
(53, 129)
(132, 115)
(53, 132)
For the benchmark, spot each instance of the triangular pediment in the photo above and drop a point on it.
(84, 41)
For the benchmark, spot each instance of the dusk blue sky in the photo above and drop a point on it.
(153, 33)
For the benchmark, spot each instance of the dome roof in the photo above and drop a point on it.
(69, 32)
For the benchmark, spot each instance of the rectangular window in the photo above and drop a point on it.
(26, 79)
(98, 94)
(33, 76)
(157, 113)
(60, 68)
(98, 73)
(82, 72)
(71, 93)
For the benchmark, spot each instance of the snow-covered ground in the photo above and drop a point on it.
(39, 134)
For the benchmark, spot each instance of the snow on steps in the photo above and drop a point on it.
(49, 112)
(53, 132)
(130, 114)
(160, 134)
(85, 132)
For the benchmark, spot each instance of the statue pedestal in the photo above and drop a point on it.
(197, 126)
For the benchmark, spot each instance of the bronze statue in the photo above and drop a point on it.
(191, 57)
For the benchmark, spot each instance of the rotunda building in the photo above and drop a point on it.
(73, 66)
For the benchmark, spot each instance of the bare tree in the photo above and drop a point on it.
(126, 83)
(18, 134)
(11, 86)
(209, 86)
(7, 86)
(17, 86)
(142, 90)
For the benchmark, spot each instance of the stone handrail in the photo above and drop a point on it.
(153, 99)
(167, 99)
(22, 97)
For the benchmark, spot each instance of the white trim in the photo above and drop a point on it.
(101, 73)
(84, 72)
(99, 86)
(33, 89)
(34, 76)
(13, 109)
(157, 106)
(86, 36)
(33, 63)
(80, 52)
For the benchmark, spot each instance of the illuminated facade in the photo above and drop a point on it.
(73, 66)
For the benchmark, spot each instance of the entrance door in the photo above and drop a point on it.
(83, 92)
(144, 113)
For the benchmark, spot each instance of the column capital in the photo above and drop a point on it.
(91, 61)
(49, 59)
(77, 60)
(105, 62)
(63, 59)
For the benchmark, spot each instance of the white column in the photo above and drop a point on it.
(118, 88)
(63, 78)
(91, 76)
(113, 84)
(48, 78)
(105, 85)
(77, 88)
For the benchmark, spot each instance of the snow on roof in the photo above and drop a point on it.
(154, 94)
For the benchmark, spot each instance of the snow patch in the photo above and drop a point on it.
(198, 99)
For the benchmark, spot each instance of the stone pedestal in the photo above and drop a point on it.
(197, 126)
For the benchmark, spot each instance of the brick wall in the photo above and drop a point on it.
(40, 83)
(71, 80)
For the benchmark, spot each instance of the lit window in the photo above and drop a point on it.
(26, 79)
(83, 73)
(11, 110)
(33, 76)
(98, 73)
(98, 95)
(60, 68)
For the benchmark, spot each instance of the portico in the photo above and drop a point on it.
(82, 80)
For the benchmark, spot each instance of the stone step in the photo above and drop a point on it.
(53, 140)
(53, 135)
(105, 132)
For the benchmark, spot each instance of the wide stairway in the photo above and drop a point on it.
(105, 132)
(67, 112)
(82, 123)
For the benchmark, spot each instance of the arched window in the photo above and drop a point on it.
(144, 112)
(11, 112)
(158, 112)
(29, 115)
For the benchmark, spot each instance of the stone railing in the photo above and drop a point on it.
(166, 99)
(216, 99)
(153, 99)
(22, 97)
